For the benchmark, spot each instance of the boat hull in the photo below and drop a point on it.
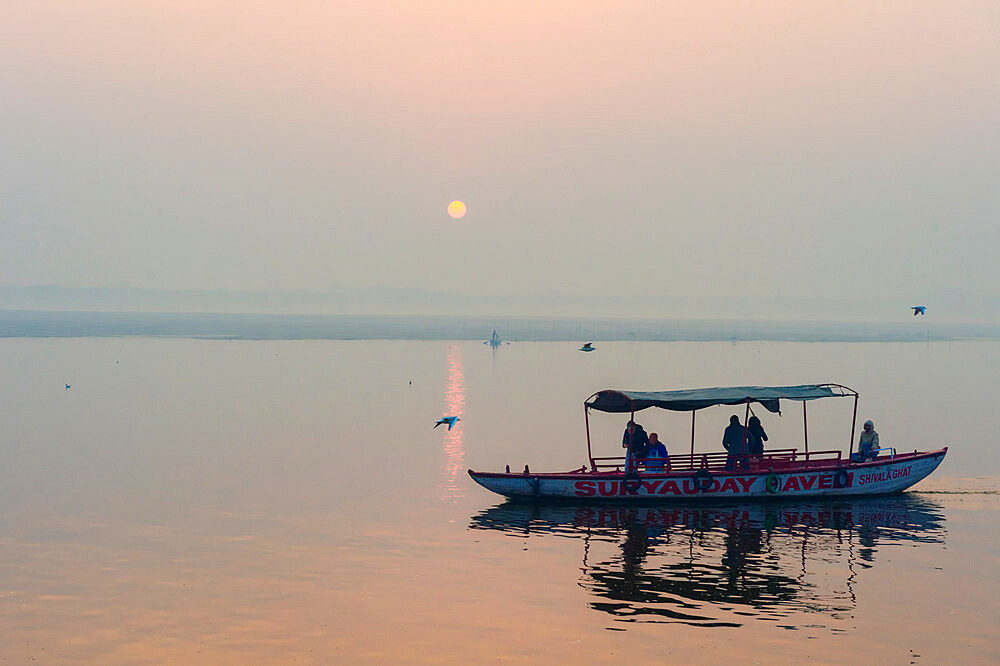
(879, 477)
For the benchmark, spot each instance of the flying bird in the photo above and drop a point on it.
(919, 309)
(587, 347)
(449, 420)
(67, 386)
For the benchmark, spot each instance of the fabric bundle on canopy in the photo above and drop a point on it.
(692, 399)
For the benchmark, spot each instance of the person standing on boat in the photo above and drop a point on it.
(732, 441)
(636, 441)
(867, 444)
(755, 437)
(657, 453)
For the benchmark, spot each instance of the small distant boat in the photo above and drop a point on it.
(494, 340)
(718, 475)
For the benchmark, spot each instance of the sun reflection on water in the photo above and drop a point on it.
(454, 405)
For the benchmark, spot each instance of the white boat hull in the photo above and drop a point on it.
(879, 477)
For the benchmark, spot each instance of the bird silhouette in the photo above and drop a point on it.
(67, 386)
(919, 309)
(447, 420)
(587, 347)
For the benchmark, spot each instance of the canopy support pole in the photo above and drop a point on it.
(746, 425)
(586, 420)
(692, 435)
(805, 429)
(628, 451)
(854, 422)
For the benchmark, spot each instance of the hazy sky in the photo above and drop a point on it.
(761, 154)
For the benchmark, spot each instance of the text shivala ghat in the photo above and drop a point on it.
(718, 475)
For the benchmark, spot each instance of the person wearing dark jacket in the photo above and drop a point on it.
(636, 441)
(755, 437)
(732, 441)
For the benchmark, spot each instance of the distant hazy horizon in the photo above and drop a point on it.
(276, 326)
(424, 302)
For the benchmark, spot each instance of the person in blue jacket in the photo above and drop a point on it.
(657, 455)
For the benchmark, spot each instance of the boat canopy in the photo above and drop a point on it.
(689, 400)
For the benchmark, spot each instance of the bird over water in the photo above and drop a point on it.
(447, 420)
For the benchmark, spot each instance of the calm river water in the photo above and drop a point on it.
(209, 501)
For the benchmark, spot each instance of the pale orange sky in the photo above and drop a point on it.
(827, 150)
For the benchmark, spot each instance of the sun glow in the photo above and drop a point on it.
(457, 209)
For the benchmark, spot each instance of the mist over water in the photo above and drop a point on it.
(267, 500)
(242, 326)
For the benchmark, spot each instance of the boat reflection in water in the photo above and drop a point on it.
(716, 565)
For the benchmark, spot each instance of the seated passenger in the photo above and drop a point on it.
(657, 454)
(867, 443)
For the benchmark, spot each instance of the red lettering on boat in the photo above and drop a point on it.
(669, 486)
(825, 481)
(651, 486)
(810, 479)
(606, 488)
(689, 487)
(628, 487)
(791, 483)
(585, 489)
(746, 483)
(729, 485)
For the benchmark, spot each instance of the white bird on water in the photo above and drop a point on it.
(447, 420)
(588, 347)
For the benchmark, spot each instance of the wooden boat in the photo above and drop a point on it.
(718, 475)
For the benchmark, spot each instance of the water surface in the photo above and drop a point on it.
(267, 501)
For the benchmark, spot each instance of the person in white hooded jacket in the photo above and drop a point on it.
(867, 443)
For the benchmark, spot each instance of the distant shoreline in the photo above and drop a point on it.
(204, 325)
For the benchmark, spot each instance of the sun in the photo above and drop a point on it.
(457, 209)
